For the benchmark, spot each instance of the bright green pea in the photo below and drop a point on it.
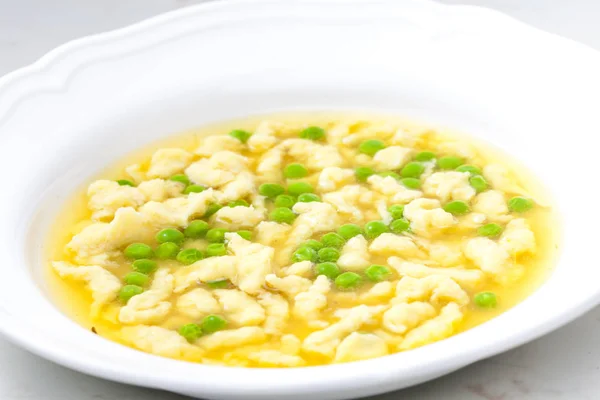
(190, 332)
(425, 156)
(362, 173)
(308, 197)
(298, 188)
(486, 300)
(245, 234)
(473, 170)
(285, 200)
(282, 215)
(136, 278)
(189, 256)
(400, 225)
(271, 190)
(332, 239)
(218, 283)
(328, 254)
(313, 133)
(313, 244)
(169, 235)
(371, 146)
(457, 207)
(348, 280)
(295, 171)
(394, 175)
(196, 229)
(240, 135)
(489, 230)
(144, 266)
(412, 170)
(374, 229)
(216, 250)
(213, 323)
(377, 273)
(348, 231)
(411, 183)
(237, 203)
(216, 235)
(520, 204)
(128, 291)
(193, 189)
(478, 183)
(449, 162)
(125, 182)
(166, 251)
(211, 209)
(329, 269)
(305, 254)
(138, 250)
(181, 178)
(396, 211)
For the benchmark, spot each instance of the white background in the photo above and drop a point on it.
(564, 365)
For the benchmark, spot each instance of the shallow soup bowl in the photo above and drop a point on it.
(90, 102)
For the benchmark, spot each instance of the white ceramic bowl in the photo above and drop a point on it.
(91, 101)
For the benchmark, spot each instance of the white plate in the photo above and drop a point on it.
(90, 101)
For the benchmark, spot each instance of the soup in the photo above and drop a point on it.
(299, 241)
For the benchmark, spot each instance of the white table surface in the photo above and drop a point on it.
(564, 365)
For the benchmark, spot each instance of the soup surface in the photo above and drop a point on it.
(300, 241)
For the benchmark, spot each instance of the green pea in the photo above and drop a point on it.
(144, 266)
(348, 231)
(348, 280)
(285, 200)
(332, 239)
(169, 235)
(298, 188)
(211, 209)
(282, 215)
(237, 203)
(374, 229)
(166, 251)
(213, 323)
(412, 170)
(478, 183)
(245, 234)
(329, 269)
(473, 170)
(313, 133)
(308, 197)
(190, 332)
(295, 171)
(328, 254)
(371, 146)
(486, 300)
(425, 156)
(218, 283)
(193, 189)
(189, 256)
(378, 273)
(305, 254)
(216, 250)
(240, 135)
(394, 175)
(138, 250)
(449, 162)
(400, 225)
(489, 230)
(128, 291)
(136, 278)
(181, 179)
(125, 182)
(411, 183)
(270, 190)
(396, 211)
(363, 173)
(313, 244)
(520, 204)
(457, 207)
(196, 229)
(216, 235)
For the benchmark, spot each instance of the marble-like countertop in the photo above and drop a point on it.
(564, 365)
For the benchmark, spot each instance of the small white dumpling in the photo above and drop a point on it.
(239, 308)
(449, 185)
(213, 144)
(427, 217)
(332, 178)
(150, 306)
(518, 238)
(355, 254)
(493, 204)
(290, 285)
(390, 243)
(405, 316)
(197, 303)
(392, 157)
(168, 162)
(465, 277)
(159, 341)
(232, 338)
(360, 346)
(277, 311)
(308, 304)
(435, 329)
(239, 217)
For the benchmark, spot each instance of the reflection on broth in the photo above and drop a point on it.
(299, 240)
